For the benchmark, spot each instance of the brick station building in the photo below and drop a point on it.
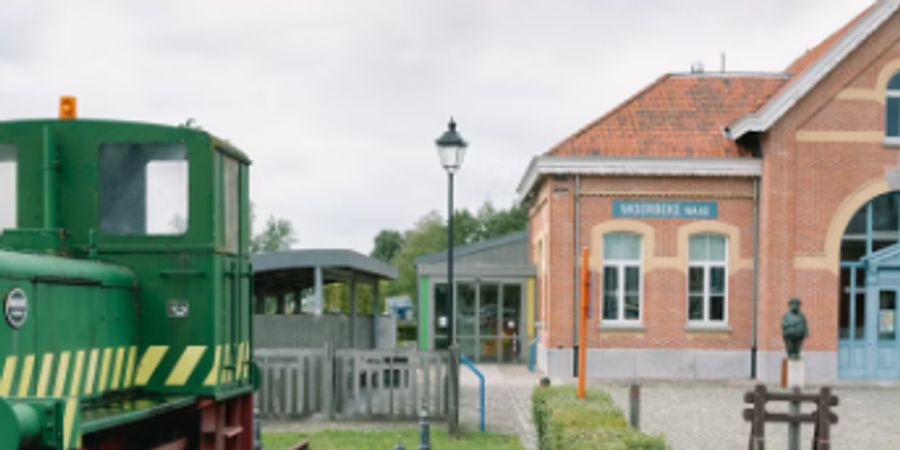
(709, 199)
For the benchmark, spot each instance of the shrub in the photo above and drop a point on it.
(565, 422)
(406, 331)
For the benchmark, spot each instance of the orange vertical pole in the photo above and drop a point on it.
(582, 319)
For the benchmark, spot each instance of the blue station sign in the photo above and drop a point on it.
(665, 210)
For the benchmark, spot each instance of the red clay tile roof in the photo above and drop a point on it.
(677, 116)
(684, 115)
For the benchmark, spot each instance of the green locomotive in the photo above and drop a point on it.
(125, 278)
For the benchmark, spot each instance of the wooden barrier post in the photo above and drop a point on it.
(634, 410)
(822, 438)
(582, 320)
(822, 418)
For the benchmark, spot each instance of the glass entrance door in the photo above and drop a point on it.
(489, 320)
(499, 322)
(510, 324)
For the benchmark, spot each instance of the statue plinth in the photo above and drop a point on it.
(796, 376)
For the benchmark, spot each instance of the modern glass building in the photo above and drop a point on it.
(495, 300)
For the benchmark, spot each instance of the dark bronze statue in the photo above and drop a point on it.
(794, 329)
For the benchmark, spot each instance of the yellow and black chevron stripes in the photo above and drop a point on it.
(129, 368)
(223, 371)
(69, 431)
(212, 378)
(117, 369)
(61, 372)
(6, 378)
(76, 380)
(149, 362)
(89, 372)
(46, 365)
(104, 370)
(185, 365)
(25, 379)
(68, 373)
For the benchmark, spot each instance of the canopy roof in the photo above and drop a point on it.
(295, 269)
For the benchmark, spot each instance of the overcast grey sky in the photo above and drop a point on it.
(339, 102)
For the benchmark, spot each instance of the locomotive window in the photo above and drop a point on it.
(143, 189)
(8, 197)
(232, 203)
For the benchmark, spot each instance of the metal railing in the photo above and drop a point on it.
(480, 376)
(532, 354)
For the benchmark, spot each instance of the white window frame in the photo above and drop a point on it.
(892, 94)
(707, 265)
(620, 265)
(12, 202)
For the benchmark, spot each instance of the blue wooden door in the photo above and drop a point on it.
(869, 344)
(884, 334)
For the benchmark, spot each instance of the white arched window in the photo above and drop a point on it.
(892, 113)
(621, 277)
(708, 279)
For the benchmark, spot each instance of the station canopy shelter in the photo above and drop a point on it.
(296, 279)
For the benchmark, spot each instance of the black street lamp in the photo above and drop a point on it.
(451, 150)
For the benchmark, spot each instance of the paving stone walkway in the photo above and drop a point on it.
(693, 415)
(707, 415)
(508, 400)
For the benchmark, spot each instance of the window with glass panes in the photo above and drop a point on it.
(621, 277)
(8, 186)
(875, 226)
(892, 115)
(707, 273)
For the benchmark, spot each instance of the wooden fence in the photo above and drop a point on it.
(297, 383)
(822, 418)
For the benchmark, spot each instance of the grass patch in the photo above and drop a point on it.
(387, 440)
(566, 423)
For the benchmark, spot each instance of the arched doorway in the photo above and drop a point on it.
(868, 341)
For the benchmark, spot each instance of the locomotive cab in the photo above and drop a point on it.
(129, 244)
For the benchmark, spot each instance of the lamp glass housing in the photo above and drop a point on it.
(451, 148)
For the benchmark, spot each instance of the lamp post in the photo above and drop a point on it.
(451, 150)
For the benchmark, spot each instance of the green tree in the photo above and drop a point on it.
(278, 234)
(466, 228)
(387, 244)
(429, 235)
(337, 298)
(496, 223)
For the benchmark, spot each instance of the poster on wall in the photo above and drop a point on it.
(886, 321)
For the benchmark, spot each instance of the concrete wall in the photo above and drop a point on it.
(820, 367)
(311, 331)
